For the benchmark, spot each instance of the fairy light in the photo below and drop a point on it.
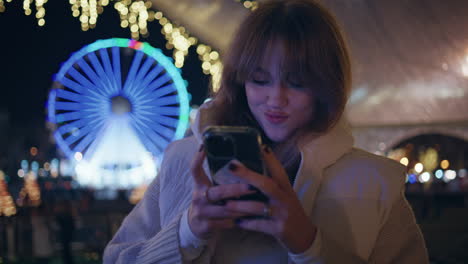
(87, 11)
(251, 5)
(177, 39)
(211, 64)
(404, 161)
(40, 10)
(135, 16)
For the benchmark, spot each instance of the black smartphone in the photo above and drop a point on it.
(226, 143)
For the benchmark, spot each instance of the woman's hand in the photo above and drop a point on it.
(206, 214)
(286, 219)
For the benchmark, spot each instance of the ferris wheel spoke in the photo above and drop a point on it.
(151, 124)
(84, 82)
(70, 127)
(82, 98)
(163, 91)
(60, 93)
(150, 146)
(116, 67)
(86, 95)
(105, 82)
(108, 70)
(88, 138)
(159, 82)
(133, 69)
(90, 72)
(167, 100)
(73, 85)
(148, 78)
(162, 110)
(151, 136)
(67, 116)
(81, 132)
(68, 106)
(141, 74)
(164, 120)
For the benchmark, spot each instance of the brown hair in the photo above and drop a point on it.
(314, 47)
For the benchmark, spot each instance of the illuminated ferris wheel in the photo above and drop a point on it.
(116, 104)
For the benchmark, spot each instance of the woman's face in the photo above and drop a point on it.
(279, 101)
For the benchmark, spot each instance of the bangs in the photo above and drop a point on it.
(306, 53)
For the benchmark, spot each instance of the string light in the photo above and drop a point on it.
(135, 16)
(177, 39)
(251, 5)
(88, 11)
(211, 64)
(40, 10)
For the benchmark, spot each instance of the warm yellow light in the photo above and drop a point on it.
(404, 161)
(247, 4)
(158, 15)
(444, 164)
(418, 167)
(33, 151)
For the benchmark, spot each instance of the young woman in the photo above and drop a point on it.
(288, 75)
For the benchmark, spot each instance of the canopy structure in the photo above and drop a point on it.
(410, 58)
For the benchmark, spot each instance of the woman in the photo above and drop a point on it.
(287, 74)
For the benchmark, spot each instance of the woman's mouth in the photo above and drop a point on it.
(276, 118)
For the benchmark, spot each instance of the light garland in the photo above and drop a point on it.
(211, 64)
(87, 11)
(40, 10)
(177, 39)
(134, 15)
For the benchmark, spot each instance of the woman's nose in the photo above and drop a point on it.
(277, 96)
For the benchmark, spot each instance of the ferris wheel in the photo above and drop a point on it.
(115, 103)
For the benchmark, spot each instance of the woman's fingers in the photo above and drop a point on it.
(248, 207)
(262, 182)
(227, 191)
(200, 178)
(216, 212)
(275, 169)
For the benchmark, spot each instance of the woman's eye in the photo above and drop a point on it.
(260, 81)
(296, 84)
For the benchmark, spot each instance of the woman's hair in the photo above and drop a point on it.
(313, 47)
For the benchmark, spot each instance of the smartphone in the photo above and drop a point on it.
(226, 143)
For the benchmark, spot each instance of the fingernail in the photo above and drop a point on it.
(201, 148)
(267, 149)
(232, 167)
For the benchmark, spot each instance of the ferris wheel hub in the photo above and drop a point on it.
(120, 105)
